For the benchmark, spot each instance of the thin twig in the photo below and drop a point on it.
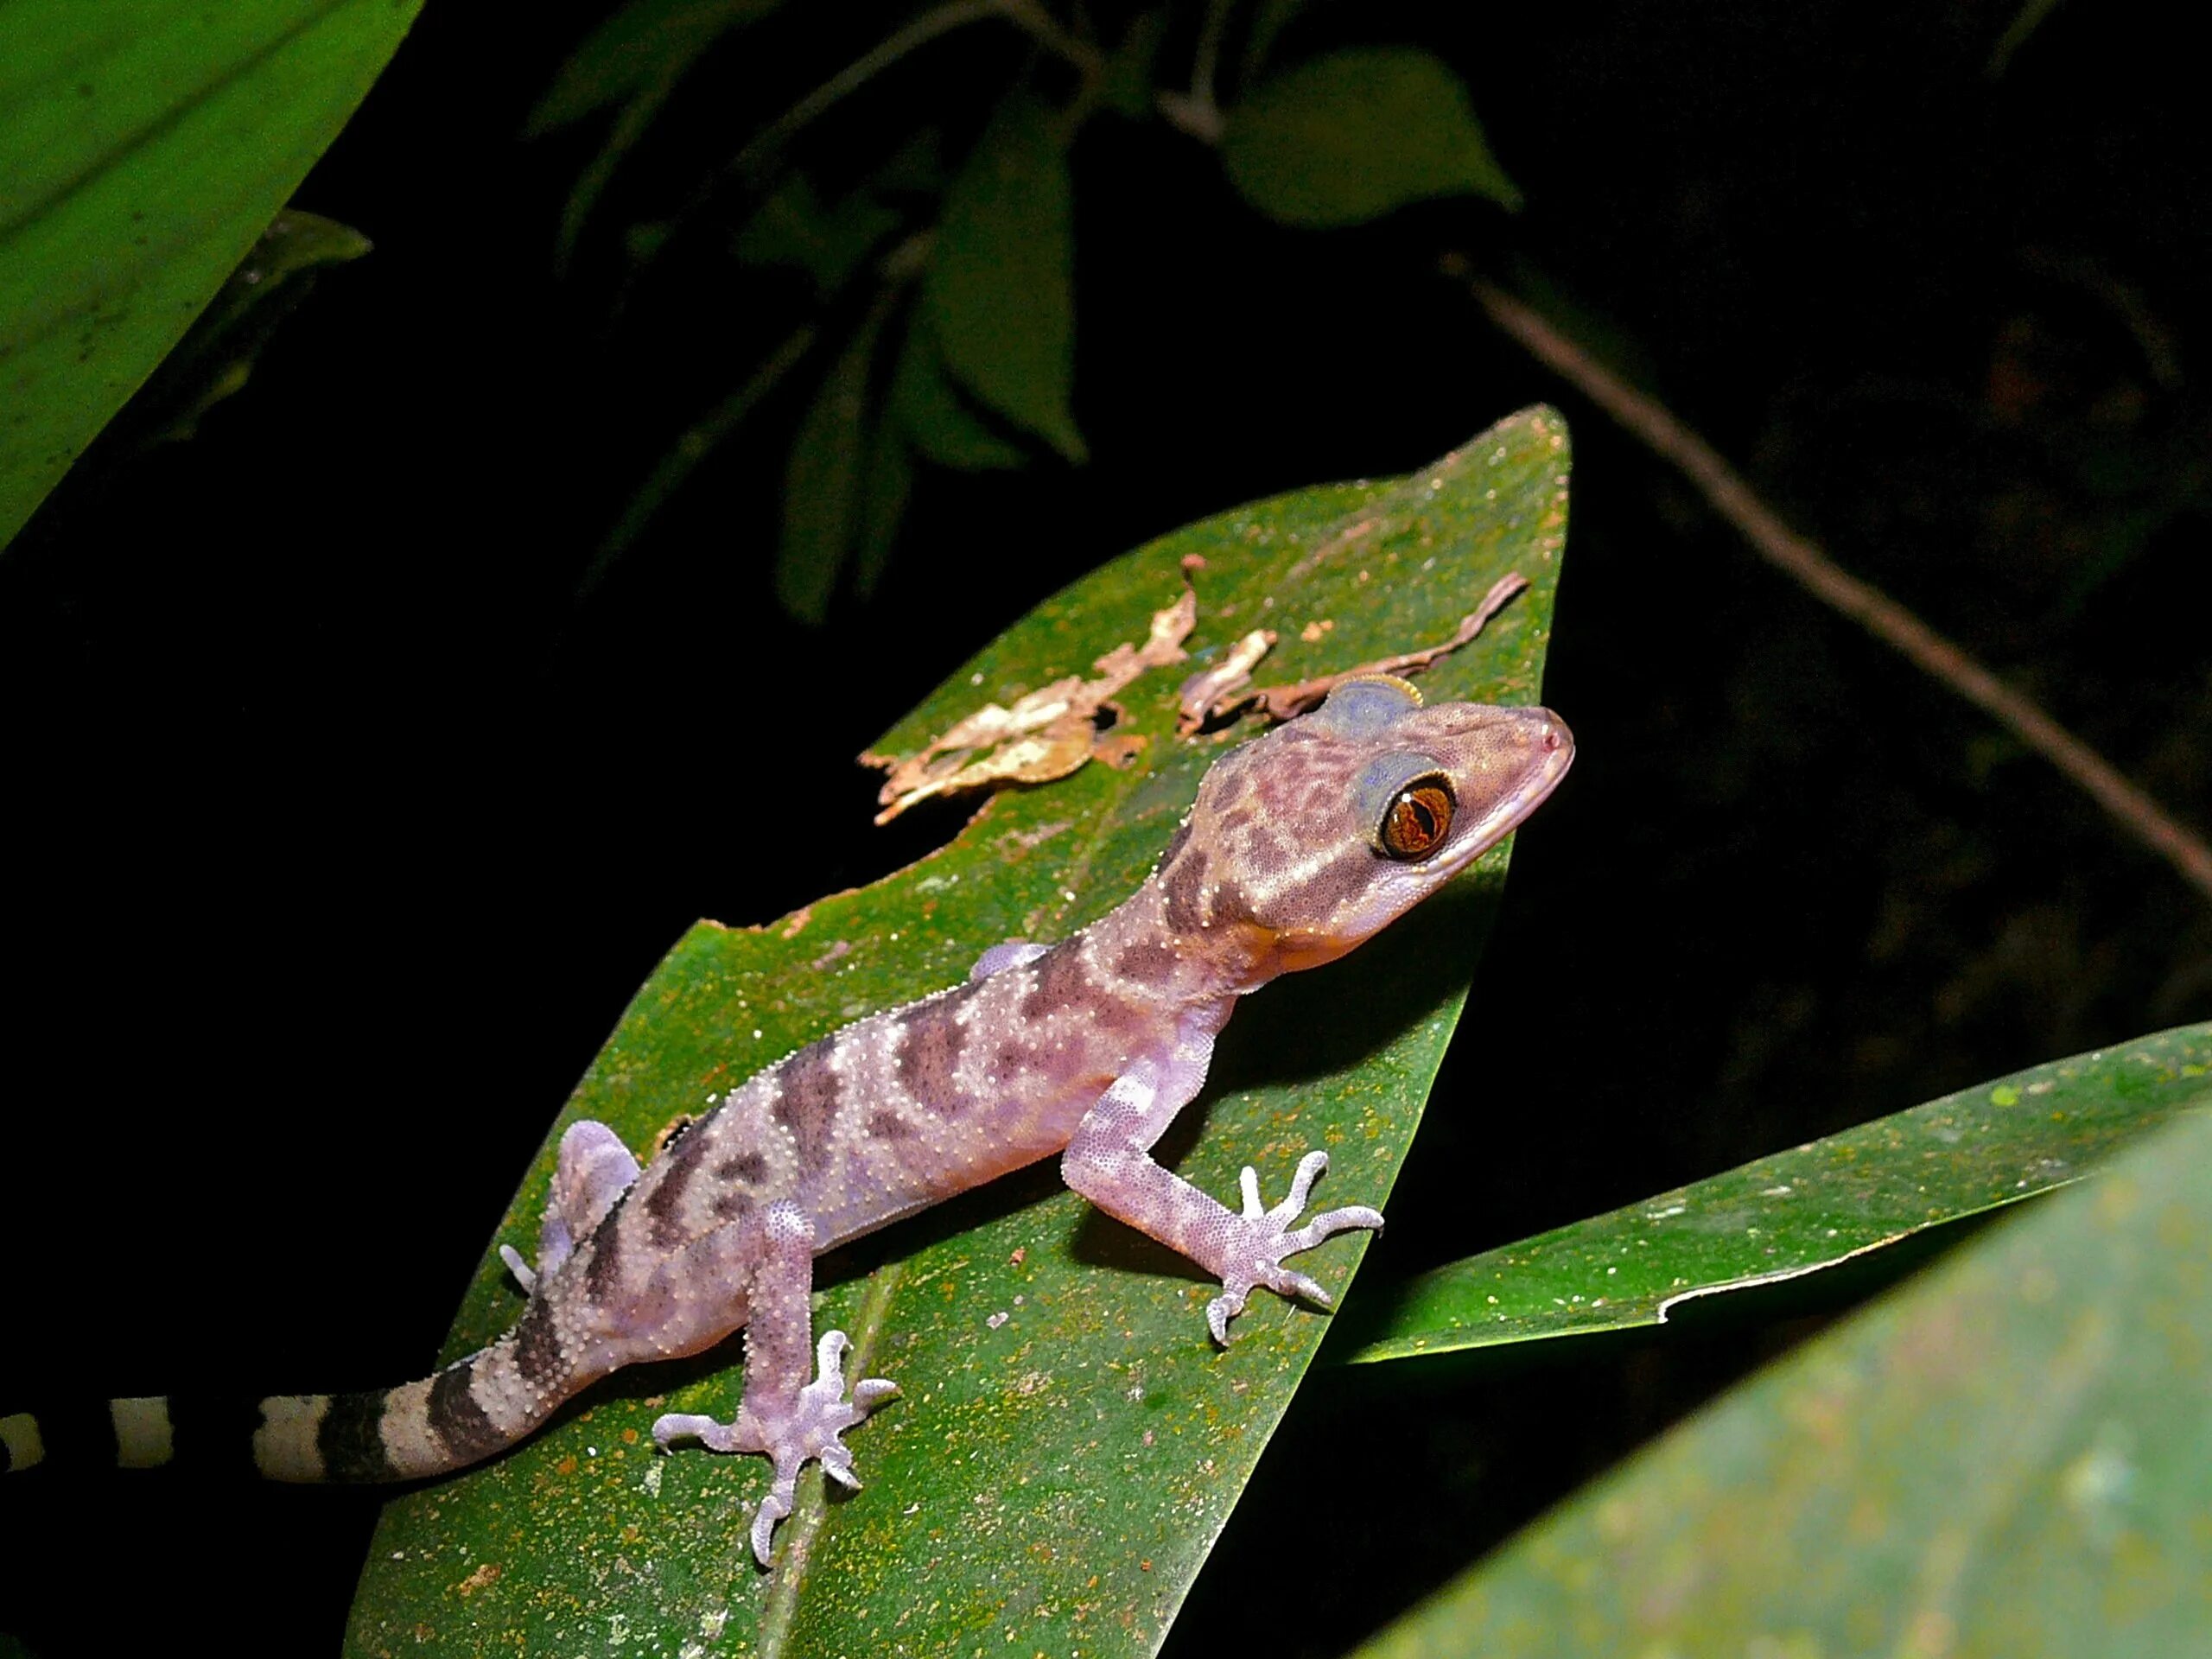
(894, 46)
(1873, 610)
(690, 450)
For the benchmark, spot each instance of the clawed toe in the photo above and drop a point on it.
(1267, 1238)
(809, 1424)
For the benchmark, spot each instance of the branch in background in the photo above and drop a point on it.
(1876, 613)
(899, 45)
(691, 449)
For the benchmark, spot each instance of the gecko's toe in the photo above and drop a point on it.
(837, 1463)
(1265, 1237)
(872, 1391)
(773, 1508)
(679, 1426)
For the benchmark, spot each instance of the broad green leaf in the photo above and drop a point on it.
(641, 48)
(142, 150)
(1801, 1210)
(822, 484)
(1069, 1442)
(2011, 1459)
(998, 289)
(1350, 136)
(933, 414)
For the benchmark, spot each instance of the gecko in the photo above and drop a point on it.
(1299, 845)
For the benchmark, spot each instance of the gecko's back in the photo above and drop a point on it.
(1301, 845)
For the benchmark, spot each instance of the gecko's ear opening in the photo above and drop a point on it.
(1366, 704)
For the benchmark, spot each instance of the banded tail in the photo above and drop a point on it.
(466, 1412)
(473, 1408)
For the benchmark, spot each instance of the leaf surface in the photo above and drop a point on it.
(1069, 1442)
(142, 150)
(2011, 1458)
(1349, 137)
(998, 287)
(1803, 1209)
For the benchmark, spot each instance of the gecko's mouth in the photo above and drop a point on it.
(1556, 755)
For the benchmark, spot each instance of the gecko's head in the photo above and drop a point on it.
(1310, 840)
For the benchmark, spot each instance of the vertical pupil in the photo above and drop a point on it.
(1419, 818)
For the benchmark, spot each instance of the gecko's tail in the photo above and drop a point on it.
(464, 1414)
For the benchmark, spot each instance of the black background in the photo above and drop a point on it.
(339, 834)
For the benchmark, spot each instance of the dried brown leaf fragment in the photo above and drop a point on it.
(1222, 693)
(1045, 735)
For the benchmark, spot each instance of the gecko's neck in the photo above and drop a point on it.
(1197, 963)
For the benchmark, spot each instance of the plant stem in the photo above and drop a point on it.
(1891, 623)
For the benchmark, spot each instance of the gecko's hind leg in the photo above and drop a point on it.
(783, 1414)
(594, 1169)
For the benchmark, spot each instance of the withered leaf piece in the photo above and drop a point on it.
(1046, 734)
(1202, 691)
(1219, 695)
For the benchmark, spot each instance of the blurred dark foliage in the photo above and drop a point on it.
(342, 829)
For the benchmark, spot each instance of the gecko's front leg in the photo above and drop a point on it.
(1108, 1161)
(782, 1414)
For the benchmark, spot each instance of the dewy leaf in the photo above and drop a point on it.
(998, 287)
(1069, 1442)
(1349, 137)
(1802, 1210)
(142, 150)
(2012, 1457)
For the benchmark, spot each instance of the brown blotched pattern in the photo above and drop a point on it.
(1092, 1045)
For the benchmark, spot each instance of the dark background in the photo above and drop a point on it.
(339, 833)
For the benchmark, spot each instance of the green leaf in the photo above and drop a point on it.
(998, 289)
(884, 490)
(933, 414)
(217, 354)
(2011, 1458)
(641, 50)
(1128, 82)
(828, 244)
(142, 150)
(1069, 1442)
(1802, 1210)
(1352, 136)
(822, 484)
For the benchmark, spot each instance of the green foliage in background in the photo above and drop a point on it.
(2012, 1457)
(1811, 1207)
(941, 323)
(144, 150)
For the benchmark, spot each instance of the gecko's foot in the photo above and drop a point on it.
(1264, 1237)
(811, 1427)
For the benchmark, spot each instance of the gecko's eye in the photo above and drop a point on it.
(1417, 819)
